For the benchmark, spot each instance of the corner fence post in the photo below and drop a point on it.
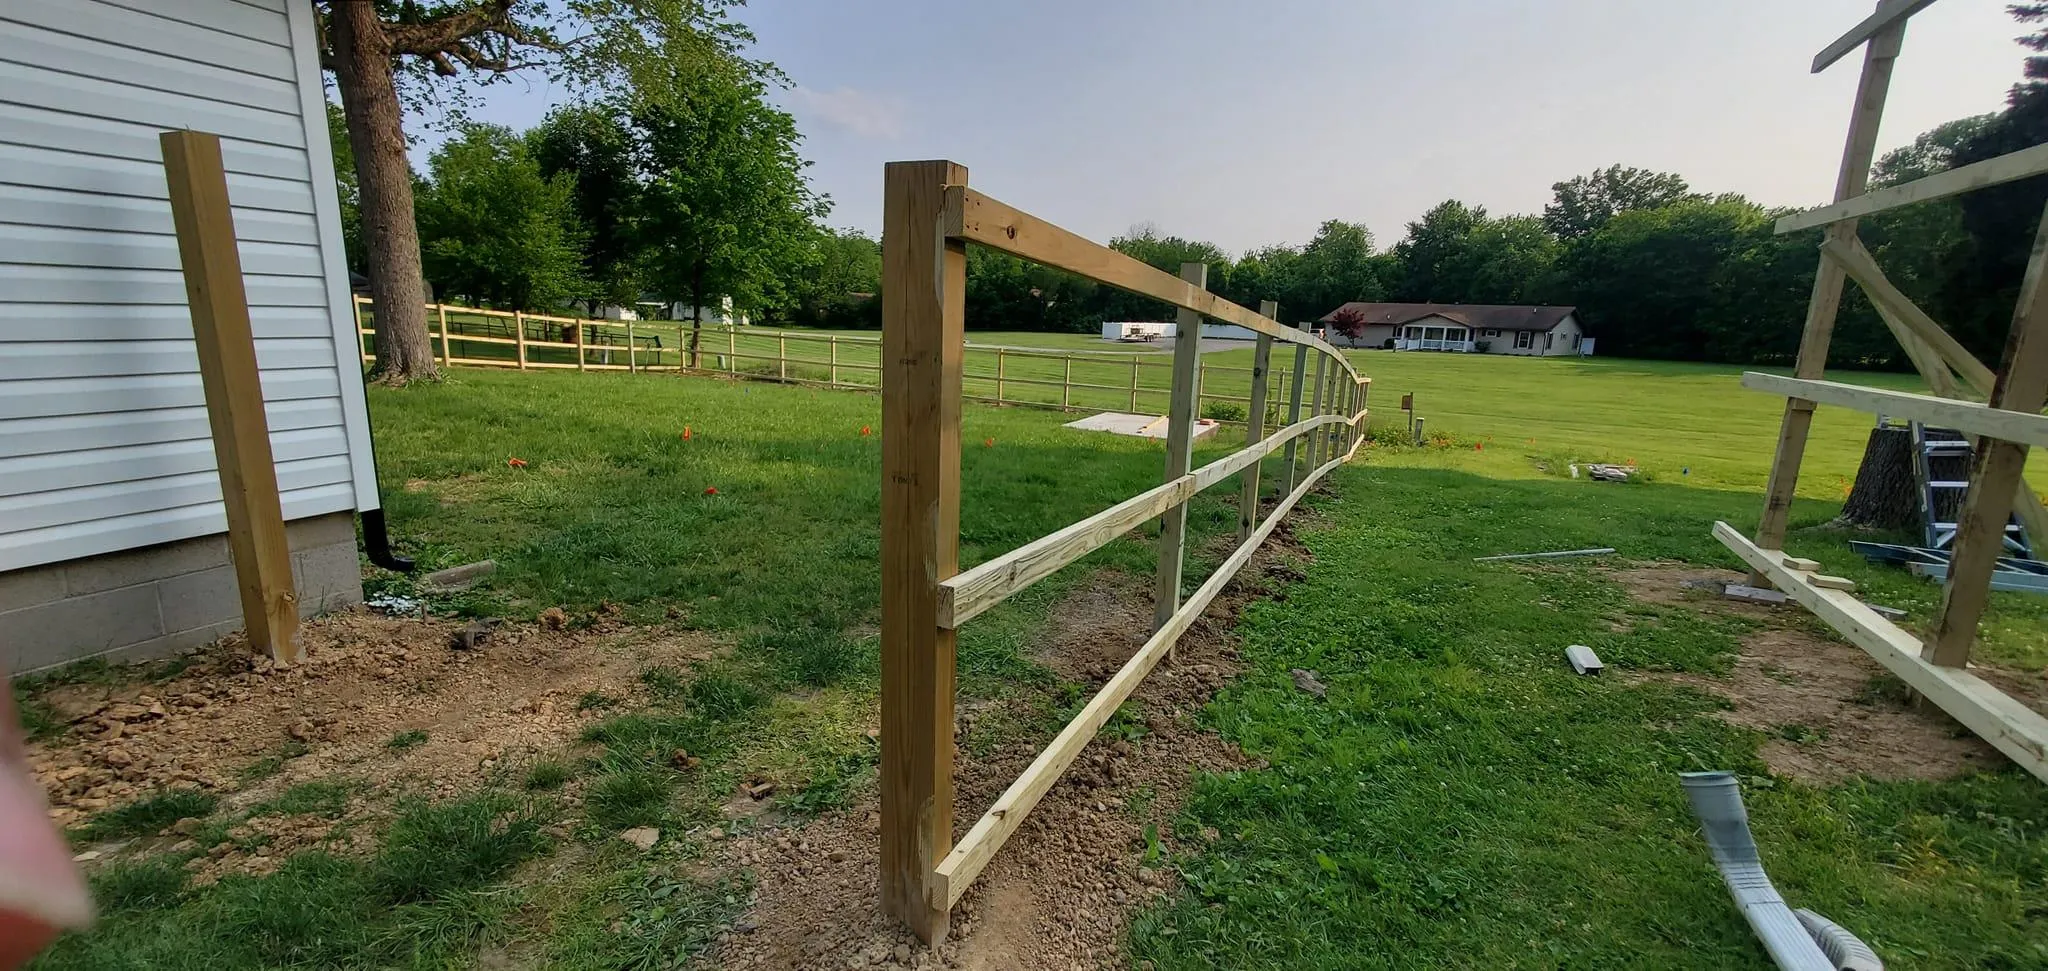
(924, 284)
(1294, 412)
(1180, 447)
(1255, 428)
(230, 381)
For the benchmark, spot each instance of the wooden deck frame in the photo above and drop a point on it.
(2010, 167)
(1968, 417)
(929, 217)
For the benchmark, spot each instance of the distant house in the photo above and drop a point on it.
(1471, 328)
(1145, 330)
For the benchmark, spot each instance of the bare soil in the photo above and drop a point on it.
(1835, 713)
(1062, 891)
(233, 724)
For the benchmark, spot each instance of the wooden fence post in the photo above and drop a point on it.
(832, 376)
(1134, 384)
(1294, 412)
(1314, 446)
(441, 309)
(732, 350)
(632, 348)
(924, 282)
(231, 381)
(1996, 470)
(1001, 356)
(519, 336)
(582, 339)
(1826, 299)
(1067, 382)
(1255, 428)
(1180, 446)
(782, 356)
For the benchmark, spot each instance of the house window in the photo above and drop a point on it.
(1492, 333)
(1546, 339)
(1524, 339)
(1575, 342)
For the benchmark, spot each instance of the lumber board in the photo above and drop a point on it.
(233, 391)
(1997, 468)
(2009, 726)
(1824, 301)
(967, 595)
(2012, 166)
(1968, 417)
(1827, 581)
(958, 870)
(924, 282)
(1801, 564)
(975, 217)
(1888, 13)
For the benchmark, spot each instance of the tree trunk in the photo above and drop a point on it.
(391, 240)
(1884, 496)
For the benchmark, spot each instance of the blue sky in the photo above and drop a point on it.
(1249, 122)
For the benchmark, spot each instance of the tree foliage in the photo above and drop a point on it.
(1585, 203)
(498, 231)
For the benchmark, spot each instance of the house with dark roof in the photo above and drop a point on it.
(1462, 327)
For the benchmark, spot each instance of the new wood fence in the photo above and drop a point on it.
(1075, 380)
(929, 217)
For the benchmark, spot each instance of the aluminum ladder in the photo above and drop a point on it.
(1941, 468)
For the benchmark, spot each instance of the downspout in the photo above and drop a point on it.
(377, 543)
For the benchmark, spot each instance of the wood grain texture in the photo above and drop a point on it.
(233, 388)
(1825, 300)
(924, 279)
(1888, 13)
(967, 595)
(980, 219)
(1180, 448)
(1968, 417)
(2009, 726)
(2012, 166)
(1255, 429)
(1294, 393)
(960, 867)
(1980, 528)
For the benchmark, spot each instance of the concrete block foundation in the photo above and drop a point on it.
(157, 600)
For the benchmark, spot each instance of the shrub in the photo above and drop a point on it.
(1223, 411)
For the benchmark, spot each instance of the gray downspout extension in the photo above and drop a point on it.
(1717, 801)
(1846, 950)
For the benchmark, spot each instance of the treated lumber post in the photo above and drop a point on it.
(632, 350)
(441, 309)
(1066, 382)
(1255, 429)
(832, 376)
(1000, 356)
(1134, 384)
(1315, 410)
(1180, 447)
(1980, 528)
(582, 335)
(1294, 411)
(924, 283)
(782, 357)
(519, 335)
(1826, 298)
(232, 383)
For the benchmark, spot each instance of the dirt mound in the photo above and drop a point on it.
(1834, 712)
(384, 700)
(1063, 889)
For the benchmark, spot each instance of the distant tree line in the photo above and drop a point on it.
(701, 194)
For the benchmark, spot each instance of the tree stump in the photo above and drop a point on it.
(1884, 496)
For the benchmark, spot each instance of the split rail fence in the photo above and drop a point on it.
(929, 218)
(2003, 428)
(1068, 380)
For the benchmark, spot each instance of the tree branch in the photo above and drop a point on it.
(452, 33)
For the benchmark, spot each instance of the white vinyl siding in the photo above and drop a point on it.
(104, 440)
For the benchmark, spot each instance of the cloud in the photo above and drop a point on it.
(859, 112)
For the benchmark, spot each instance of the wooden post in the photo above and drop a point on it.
(1000, 355)
(1134, 384)
(782, 356)
(1826, 298)
(1294, 412)
(732, 350)
(1067, 382)
(632, 350)
(832, 375)
(1980, 528)
(233, 388)
(442, 310)
(1255, 429)
(924, 283)
(1180, 448)
(1314, 448)
(519, 336)
(582, 336)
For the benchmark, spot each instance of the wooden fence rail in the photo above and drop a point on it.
(1074, 380)
(929, 218)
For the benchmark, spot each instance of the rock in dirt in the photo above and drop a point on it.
(643, 837)
(1306, 681)
(457, 578)
(472, 634)
(554, 618)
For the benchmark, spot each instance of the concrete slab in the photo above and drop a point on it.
(1137, 426)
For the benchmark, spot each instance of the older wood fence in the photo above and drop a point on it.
(929, 217)
(1082, 380)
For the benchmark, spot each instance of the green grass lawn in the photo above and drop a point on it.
(1457, 800)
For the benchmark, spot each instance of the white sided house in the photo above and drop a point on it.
(1466, 328)
(111, 522)
(1147, 330)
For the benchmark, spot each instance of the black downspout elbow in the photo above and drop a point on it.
(377, 543)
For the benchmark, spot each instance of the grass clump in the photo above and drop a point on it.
(147, 815)
(411, 738)
(624, 798)
(547, 775)
(324, 797)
